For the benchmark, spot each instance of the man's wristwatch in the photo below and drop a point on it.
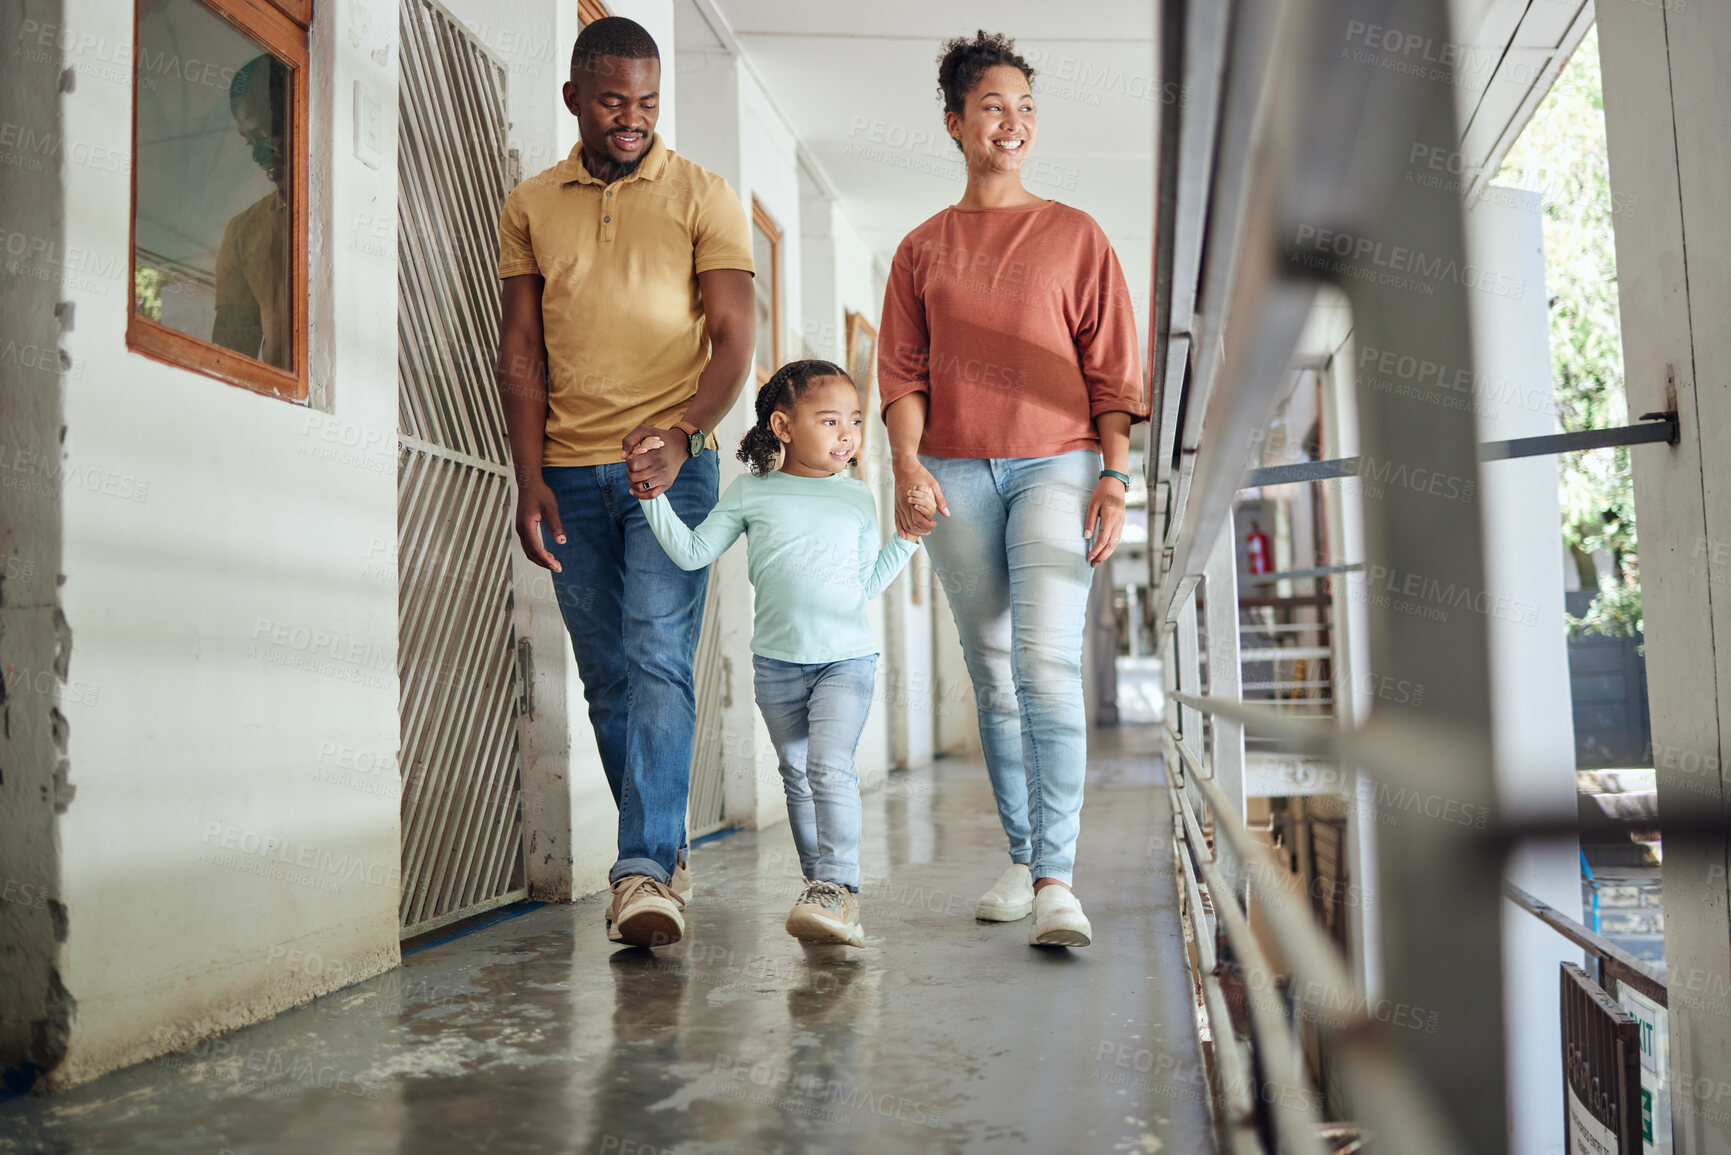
(696, 440)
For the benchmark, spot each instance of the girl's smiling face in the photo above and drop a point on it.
(997, 122)
(822, 434)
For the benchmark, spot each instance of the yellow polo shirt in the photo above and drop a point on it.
(621, 310)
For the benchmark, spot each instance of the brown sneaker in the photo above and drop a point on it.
(826, 912)
(644, 912)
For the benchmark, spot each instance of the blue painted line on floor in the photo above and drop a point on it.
(503, 914)
(714, 836)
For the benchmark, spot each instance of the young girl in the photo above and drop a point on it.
(813, 557)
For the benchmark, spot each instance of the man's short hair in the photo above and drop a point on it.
(616, 37)
(265, 69)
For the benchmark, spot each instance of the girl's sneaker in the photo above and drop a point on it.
(826, 912)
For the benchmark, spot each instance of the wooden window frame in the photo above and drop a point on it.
(281, 29)
(761, 219)
(589, 11)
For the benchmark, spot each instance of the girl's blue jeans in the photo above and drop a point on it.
(815, 715)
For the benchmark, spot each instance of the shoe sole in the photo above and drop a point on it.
(1063, 936)
(810, 928)
(1003, 912)
(648, 928)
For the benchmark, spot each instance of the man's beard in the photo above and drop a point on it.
(615, 167)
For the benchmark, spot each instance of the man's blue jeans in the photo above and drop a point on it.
(1014, 565)
(815, 715)
(634, 618)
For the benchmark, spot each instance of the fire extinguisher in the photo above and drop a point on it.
(1256, 545)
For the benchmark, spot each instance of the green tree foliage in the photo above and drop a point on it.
(1562, 155)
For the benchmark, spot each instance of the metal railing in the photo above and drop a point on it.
(1276, 140)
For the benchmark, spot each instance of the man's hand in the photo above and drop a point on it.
(535, 504)
(647, 445)
(651, 471)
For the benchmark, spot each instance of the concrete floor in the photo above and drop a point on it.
(537, 1035)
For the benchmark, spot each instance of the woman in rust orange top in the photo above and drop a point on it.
(1008, 363)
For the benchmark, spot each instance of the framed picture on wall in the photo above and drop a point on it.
(862, 361)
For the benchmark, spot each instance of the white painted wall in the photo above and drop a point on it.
(236, 620)
(1532, 716)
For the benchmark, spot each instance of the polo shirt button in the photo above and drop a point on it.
(606, 220)
(609, 192)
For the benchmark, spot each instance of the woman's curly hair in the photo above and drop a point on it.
(963, 62)
(760, 447)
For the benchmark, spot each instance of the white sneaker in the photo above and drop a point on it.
(1010, 898)
(1058, 919)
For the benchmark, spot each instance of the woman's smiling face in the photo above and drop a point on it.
(997, 121)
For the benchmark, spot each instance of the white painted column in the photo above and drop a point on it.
(1667, 76)
(1531, 710)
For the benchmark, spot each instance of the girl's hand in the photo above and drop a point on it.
(924, 502)
(918, 499)
(1104, 521)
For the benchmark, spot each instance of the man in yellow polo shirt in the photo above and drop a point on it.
(628, 313)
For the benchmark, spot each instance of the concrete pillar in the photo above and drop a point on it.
(1532, 719)
(1667, 78)
(35, 1008)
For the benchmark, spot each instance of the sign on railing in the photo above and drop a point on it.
(1601, 1070)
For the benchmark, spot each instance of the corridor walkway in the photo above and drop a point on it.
(534, 1034)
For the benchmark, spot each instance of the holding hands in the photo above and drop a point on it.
(651, 461)
(919, 499)
(639, 472)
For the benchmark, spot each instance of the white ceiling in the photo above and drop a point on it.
(858, 84)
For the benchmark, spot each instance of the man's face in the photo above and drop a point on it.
(616, 106)
(262, 131)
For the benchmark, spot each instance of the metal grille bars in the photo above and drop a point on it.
(1279, 141)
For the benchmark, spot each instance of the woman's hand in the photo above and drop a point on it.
(1105, 519)
(918, 499)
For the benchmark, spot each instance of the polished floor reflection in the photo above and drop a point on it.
(536, 1035)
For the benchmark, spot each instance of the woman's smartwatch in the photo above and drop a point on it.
(696, 441)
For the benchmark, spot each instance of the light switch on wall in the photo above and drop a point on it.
(369, 125)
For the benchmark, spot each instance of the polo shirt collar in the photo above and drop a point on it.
(652, 167)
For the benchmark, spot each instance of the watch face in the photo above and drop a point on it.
(696, 443)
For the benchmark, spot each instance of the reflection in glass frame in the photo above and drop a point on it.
(766, 287)
(862, 360)
(218, 266)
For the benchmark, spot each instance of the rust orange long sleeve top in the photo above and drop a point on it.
(1017, 325)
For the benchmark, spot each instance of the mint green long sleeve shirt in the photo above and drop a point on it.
(812, 554)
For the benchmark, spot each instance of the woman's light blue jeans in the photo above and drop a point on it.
(815, 715)
(1014, 564)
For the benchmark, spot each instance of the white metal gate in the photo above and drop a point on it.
(704, 810)
(457, 656)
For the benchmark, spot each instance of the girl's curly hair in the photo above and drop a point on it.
(963, 62)
(760, 447)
